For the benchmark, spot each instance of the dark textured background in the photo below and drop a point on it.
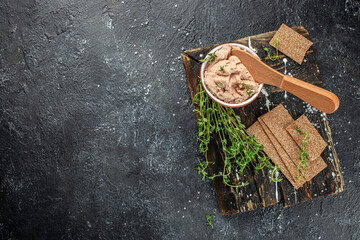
(97, 132)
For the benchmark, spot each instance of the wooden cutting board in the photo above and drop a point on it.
(261, 192)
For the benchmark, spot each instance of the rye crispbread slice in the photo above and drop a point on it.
(291, 43)
(274, 124)
(261, 137)
(316, 143)
(287, 161)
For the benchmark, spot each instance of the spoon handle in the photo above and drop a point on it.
(317, 97)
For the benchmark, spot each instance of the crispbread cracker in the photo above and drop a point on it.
(289, 164)
(316, 144)
(314, 168)
(277, 120)
(291, 43)
(274, 124)
(261, 137)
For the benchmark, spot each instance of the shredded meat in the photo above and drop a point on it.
(228, 79)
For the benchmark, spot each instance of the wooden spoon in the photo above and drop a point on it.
(317, 97)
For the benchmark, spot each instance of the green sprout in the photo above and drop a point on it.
(274, 56)
(211, 57)
(209, 220)
(301, 168)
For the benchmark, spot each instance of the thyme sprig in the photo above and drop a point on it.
(274, 56)
(301, 168)
(209, 220)
(201, 167)
(240, 150)
(211, 57)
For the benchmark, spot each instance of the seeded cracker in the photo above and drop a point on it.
(290, 166)
(316, 144)
(261, 137)
(276, 121)
(291, 43)
(314, 168)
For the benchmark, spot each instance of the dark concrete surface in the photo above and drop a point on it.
(97, 134)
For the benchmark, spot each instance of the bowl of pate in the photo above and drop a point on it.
(226, 80)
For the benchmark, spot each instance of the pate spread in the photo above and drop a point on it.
(228, 79)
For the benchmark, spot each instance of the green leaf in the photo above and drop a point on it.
(209, 220)
(212, 56)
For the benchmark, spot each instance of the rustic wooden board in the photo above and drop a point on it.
(261, 192)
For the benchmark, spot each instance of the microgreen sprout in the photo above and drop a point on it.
(209, 220)
(222, 69)
(301, 168)
(274, 56)
(211, 57)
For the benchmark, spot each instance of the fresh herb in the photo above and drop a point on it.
(209, 220)
(301, 168)
(221, 84)
(274, 56)
(239, 149)
(275, 172)
(231, 68)
(247, 89)
(211, 57)
(201, 167)
(222, 69)
(276, 41)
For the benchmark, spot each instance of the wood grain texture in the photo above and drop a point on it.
(261, 192)
(318, 97)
